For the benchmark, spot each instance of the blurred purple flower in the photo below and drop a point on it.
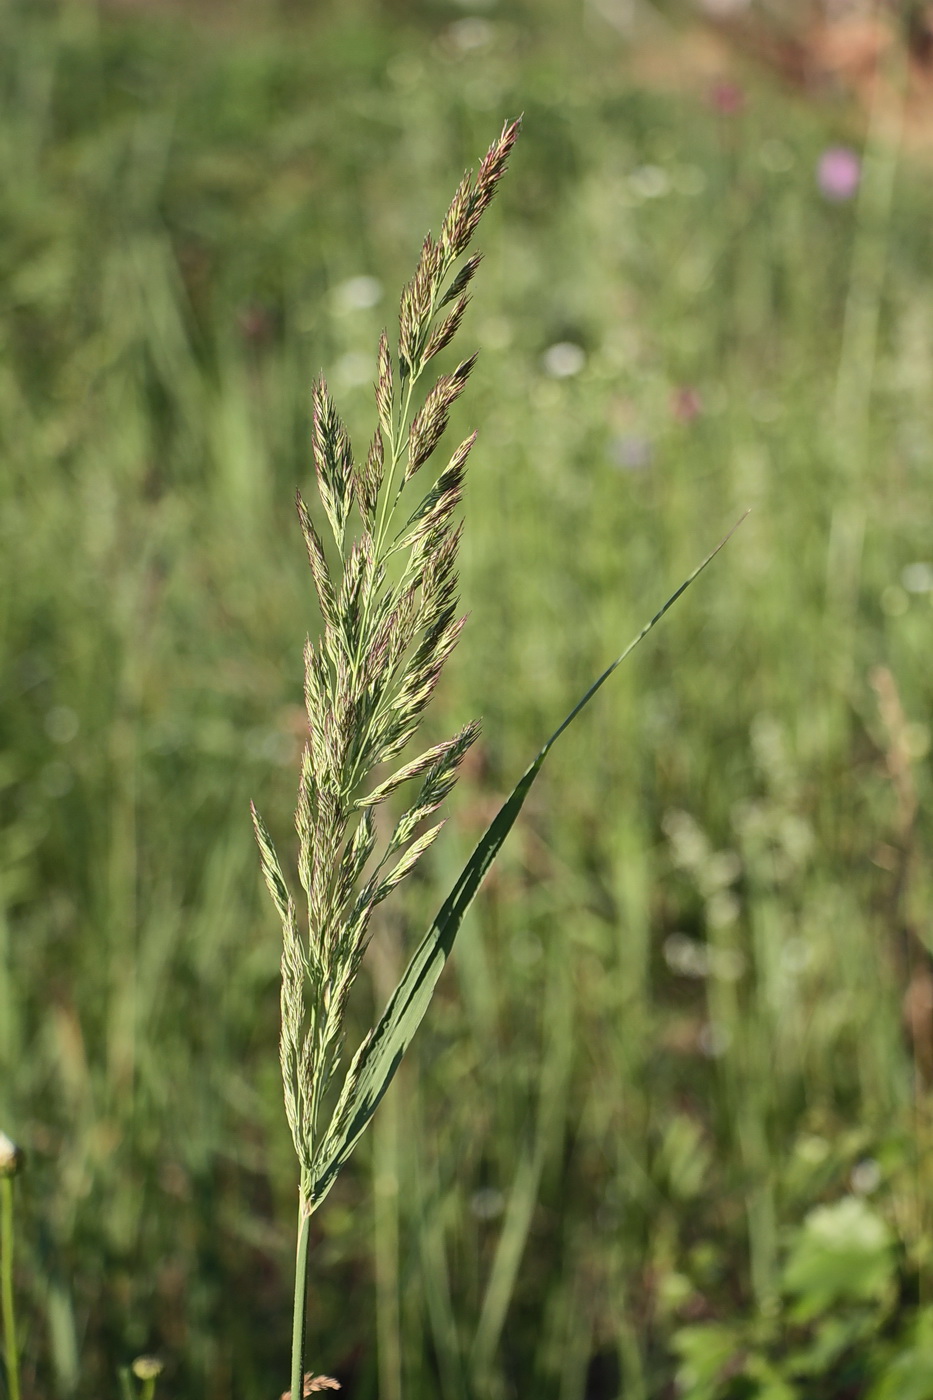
(631, 452)
(838, 173)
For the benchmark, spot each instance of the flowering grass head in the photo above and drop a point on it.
(385, 577)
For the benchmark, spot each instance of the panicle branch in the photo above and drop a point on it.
(425, 293)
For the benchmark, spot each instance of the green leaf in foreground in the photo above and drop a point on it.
(376, 1061)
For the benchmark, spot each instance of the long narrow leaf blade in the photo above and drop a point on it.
(376, 1066)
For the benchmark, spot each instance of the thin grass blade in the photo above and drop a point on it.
(371, 1073)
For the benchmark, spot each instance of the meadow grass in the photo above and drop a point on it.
(673, 1026)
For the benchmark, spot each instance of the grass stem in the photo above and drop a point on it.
(11, 1355)
(299, 1314)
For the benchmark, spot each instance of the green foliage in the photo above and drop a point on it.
(835, 1323)
(843, 1253)
(908, 1370)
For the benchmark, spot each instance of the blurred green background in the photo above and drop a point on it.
(667, 1129)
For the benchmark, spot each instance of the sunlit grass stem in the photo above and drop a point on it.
(300, 1308)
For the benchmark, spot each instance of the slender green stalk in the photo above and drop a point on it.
(127, 1388)
(388, 606)
(386, 1175)
(300, 1311)
(11, 1352)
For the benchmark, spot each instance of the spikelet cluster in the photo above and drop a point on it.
(389, 624)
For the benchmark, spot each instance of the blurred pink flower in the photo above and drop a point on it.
(727, 97)
(686, 404)
(838, 173)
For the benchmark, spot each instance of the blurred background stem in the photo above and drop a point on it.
(10, 1343)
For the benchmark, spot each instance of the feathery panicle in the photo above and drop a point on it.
(272, 871)
(431, 519)
(443, 334)
(474, 196)
(431, 758)
(462, 280)
(322, 584)
(428, 427)
(385, 396)
(333, 460)
(457, 213)
(356, 853)
(293, 1049)
(417, 306)
(407, 862)
(367, 481)
(389, 625)
(425, 294)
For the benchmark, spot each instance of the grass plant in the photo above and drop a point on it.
(390, 625)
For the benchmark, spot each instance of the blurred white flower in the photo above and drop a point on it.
(563, 360)
(487, 1204)
(62, 724)
(649, 182)
(918, 578)
(632, 452)
(848, 1225)
(469, 35)
(357, 294)
(353, 369)
(722, 909)
(714, 1041)
(686, 956)
(865, 1177)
